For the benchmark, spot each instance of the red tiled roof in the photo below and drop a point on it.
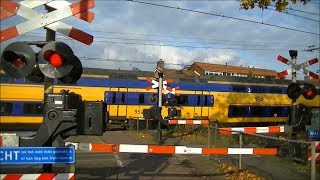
(234, 69)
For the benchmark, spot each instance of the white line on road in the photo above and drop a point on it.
(116, 156)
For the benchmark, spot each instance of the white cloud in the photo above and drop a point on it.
(114, 18)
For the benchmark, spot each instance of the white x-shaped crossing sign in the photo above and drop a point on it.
(155, 85)
(300, 67)
(50, 20)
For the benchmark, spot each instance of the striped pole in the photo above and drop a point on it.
(43, 176)
(189, 122)
(169, 150)
(252, 130)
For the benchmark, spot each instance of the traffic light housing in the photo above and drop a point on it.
(18, 59)
(55, 60)
(308, 91)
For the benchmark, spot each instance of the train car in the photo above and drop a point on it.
(230, 100)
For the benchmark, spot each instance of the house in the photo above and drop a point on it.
(203, 69)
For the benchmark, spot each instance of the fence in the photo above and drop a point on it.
(290, 161)
(246, 154)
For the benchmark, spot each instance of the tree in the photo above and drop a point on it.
(280, 5)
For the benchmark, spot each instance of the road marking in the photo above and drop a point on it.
(116, 156)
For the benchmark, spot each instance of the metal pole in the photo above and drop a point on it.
(48, 86)
(137, 124)
(147, 128)
(209, 136)
(240, 145)
(293, 54)
(215, 134)
(160, 105)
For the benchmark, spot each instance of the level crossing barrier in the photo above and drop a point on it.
(252, 130)
(189, 122)
(171, 150)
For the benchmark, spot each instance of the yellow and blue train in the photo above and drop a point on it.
(231, 100)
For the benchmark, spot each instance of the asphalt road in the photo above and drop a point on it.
(91, 165)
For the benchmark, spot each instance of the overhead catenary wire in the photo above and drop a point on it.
(223, 16)
(184, 46)
(241, 43)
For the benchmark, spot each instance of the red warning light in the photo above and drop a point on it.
(54, 58)
(17, 63)
(309, 93)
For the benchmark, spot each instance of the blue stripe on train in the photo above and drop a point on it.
(122, 83)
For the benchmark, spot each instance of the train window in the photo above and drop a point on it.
(258, 89)
(205, 100)
(237, 111)
(182, 100)
(239, 88)
(198, 100)
(132, 98)
(6, 79)
(62, 83)
(141, 98)
(123, 98)
(27, 81)
(209, 100)
(257, 111)
(276, 111)
(192, 99)
(33, 108)
(277, 90)
(5, 108)
(114, 97)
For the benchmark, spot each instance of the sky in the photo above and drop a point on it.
(136, 34)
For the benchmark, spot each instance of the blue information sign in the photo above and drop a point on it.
(37, 155)
(312, 133)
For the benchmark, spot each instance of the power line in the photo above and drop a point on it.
(303, 11)
(194, 42)
(126, 60)
(194, 47)
(224, 16)
(179, 46)
(191, 38)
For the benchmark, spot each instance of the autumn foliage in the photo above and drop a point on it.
(280, 5)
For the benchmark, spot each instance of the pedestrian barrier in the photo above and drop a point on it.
(252, 130)
(317, 150)
(42, 176)
(155, 149)
(188, 122)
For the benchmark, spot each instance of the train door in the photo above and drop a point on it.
(122, 102)
(203, 104)
(198, 108)
(116, 101)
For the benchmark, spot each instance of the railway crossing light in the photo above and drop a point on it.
(18, 59)
(308, 91)
(56, 60)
